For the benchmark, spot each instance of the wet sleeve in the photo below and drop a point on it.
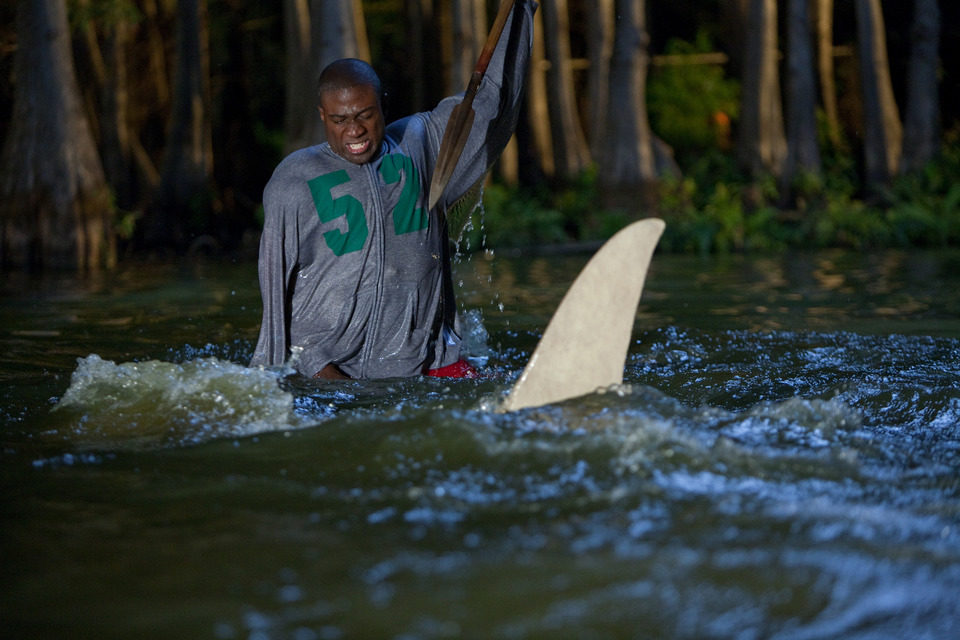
(497, 105)
(278, 255)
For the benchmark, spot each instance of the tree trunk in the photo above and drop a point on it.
(54, 203)
(627, 167)
(538, 110)
(418, 13)
(110, 91)
(187, 170)
(442, 48)
(104, 56)
(882, 131)
(317, 33)
(157, 47)
(922, 127)
(733, 32)
(338, 31)
(569, 145)
(469, 31)
(116, 135)
(152, 101)
(301, 93)
(507, 167)
(762, 146)
(600, 50)
(803, 151)
(828, 85)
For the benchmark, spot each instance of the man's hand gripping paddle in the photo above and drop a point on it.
(461, 119)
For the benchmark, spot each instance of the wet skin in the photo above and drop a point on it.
(354, 122)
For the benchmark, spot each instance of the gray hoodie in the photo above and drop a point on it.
(353, 268)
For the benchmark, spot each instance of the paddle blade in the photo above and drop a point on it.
(454, 139)
(585, 345)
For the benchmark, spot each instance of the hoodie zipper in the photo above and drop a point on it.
(377, 236)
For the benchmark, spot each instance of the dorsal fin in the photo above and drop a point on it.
(584, 347)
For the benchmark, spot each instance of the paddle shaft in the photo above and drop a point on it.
(461, 119)
(486, 54)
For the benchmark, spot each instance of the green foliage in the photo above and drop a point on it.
(125, 223)
(685, 100)
(714, 208)
(925, 205)
(510, 218)
(713, 218)
(105, 12)
(542, 216)
(847, 223)
(921, 208)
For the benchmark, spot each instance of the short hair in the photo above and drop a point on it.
(347, 73)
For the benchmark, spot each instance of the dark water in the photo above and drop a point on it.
(783, 461)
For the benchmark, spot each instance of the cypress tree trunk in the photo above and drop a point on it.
(762, 145)
(109, 97)
(300, 89)
(54, 204)
(570, 152)
(921, 137)
(882, 131)
(538, 109)
(733, 26)
(338, 31)
(317, 32)
(116, 136)
(803, 152)
(153, 98)
(185, 194)
(600, 50)
(415, 15)
(469, 22)
(627, 167)
(828, 85)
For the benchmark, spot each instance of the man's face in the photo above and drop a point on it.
(353, 121)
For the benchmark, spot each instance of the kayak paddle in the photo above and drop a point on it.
(461, 119)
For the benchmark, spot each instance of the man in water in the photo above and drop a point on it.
(354, 269)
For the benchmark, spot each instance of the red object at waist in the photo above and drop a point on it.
(459, 369)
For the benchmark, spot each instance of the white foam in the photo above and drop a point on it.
(151, 403)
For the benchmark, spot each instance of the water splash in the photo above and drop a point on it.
(150, 404)
(475, 337)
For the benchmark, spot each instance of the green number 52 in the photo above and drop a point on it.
(407, 216)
